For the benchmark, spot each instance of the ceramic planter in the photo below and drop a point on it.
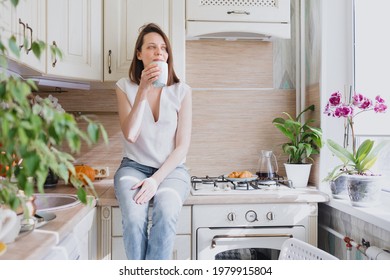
(298, 174)
(364, 191)
(339, 187)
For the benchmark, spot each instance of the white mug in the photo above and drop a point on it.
(9, 225)
(163, 78)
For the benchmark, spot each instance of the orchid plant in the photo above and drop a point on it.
(361, 159)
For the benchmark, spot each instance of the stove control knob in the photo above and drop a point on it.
(231, 216)
(270, 216)
(251, 216)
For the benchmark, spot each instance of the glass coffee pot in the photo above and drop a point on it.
(267, 166)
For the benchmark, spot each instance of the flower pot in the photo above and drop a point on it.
(298, 174)
(364, 191)
(339, 188)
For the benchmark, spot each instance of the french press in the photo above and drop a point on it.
(267, 166)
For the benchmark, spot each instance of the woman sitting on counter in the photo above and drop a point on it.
(156, 124)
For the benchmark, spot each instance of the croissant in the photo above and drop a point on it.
(240, 174)
(245, 174)
(234, 174)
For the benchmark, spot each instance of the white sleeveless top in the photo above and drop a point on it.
(156, 140)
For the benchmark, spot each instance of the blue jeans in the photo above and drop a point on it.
(156, 243)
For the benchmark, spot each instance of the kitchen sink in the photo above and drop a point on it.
(52, 201)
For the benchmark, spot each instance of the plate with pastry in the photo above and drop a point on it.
(240, 176)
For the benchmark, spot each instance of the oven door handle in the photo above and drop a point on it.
(229, 236)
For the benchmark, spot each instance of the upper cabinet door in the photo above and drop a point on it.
(75, 27)
(238, 10)
(27, 23)
(122, 20)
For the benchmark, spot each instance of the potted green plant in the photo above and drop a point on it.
(304, 141)
(354, 174)
(32, 134)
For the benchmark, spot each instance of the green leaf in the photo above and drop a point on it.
(15, 2)
(31, 163)
(344, 155)
(310, 107)
(93, 132)
(13, 46)
(363, 150)
(22, 136)
(103, 133)
(285, 131)
(336, 172)
(37, 50)
(55, 52)
(40, 177)
(3, 62)
(82, 195)
(371, 158)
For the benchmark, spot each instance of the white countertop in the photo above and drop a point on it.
(298, 195)
(36, 244)
(378, 215)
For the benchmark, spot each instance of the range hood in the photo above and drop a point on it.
(237, 31)
(238, 20)
(42, 81)
(24, 72)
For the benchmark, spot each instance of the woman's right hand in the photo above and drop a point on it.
(148, 189)
(149, 75)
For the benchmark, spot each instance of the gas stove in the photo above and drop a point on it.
(223, 185)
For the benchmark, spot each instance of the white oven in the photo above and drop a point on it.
(248, 231)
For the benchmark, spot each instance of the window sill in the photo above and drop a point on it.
(378, 215)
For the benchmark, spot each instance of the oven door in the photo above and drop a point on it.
(244, 243)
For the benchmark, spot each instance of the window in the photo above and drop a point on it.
(372, 61)
(371, 73)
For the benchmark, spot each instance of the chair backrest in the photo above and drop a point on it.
(295, 249)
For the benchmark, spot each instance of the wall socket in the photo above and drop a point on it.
(101, 172)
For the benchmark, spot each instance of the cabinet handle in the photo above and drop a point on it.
(24, 33)
(31, 38)
(55, 56)
(109, 62)
(238, 12)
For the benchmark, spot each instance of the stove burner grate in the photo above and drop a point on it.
(195, 180)
(259, 183)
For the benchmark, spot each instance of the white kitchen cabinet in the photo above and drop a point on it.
(111, 247)
(237, 19)
(76, 28)
(238, 10)
(77, 245)
(27, 23)
(122, 21)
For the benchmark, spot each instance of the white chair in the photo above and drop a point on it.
(295, 249)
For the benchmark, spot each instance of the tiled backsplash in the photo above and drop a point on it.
(233, 108)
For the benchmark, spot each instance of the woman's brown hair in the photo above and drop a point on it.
(137, 65)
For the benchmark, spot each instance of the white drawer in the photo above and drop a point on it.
(183, 226)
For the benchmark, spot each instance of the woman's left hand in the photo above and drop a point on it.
(147, 191)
